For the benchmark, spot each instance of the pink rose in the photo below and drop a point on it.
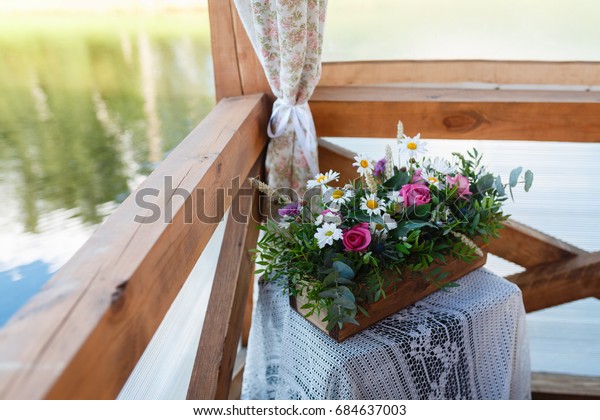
(415, 194)
(357, 238)
(417, 178)
(461, 182)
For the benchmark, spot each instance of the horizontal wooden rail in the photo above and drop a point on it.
(559, 282)
(529, 247)
(460, 71)
(82, 335)
(561, 386)
(457, 113)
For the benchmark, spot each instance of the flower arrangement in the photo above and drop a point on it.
(346, 247)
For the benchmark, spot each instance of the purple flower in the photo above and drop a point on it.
(379, 168)
(290, 210)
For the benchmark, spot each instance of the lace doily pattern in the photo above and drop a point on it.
(466, 343)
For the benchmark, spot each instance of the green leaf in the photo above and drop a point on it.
(346, 293)
(397, 181)
(528, 179)
(499, 186)
(329, 294)
(363, 311)
(420, 211)
(330, 278)
(344, 303)
(344, 269)
(344, 280)
(485, 183)
(349, 320)
(405, 228)
(514, 176)
(364, 217)
(475, 221)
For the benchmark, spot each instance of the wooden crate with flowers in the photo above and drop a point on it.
(359, 252)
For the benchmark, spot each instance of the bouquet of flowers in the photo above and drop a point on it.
(351, 243)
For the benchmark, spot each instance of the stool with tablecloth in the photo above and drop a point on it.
(468, 342)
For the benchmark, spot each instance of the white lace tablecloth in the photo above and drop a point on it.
(467, 343)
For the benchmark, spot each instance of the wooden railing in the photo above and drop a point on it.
(82, 335)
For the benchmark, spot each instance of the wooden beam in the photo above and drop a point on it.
(559, 282)
(560, 386)
(247, 322)
(252, 75)
(457, 113)
(528, 247)
(213, 368)
(235, 391)
(460, 71)
(228, 80)
(82, 335)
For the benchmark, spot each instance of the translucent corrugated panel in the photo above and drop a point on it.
(164, 370)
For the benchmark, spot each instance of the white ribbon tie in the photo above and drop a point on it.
(303, 124)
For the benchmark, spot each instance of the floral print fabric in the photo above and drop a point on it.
(288, 38)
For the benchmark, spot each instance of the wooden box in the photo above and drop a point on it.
(402, 294)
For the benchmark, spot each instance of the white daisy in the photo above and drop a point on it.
(411, 146)
(389, 224)
(323, 179)
(328, 216)
(337, 196)
(372, 204)
(431, 178)
(440, 165)
(395, 197)
(363, 164)
(327, 234)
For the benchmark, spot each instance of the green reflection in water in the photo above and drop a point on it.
(88, 104)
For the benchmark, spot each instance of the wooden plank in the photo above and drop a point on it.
(457, 113)
(81, 336)
(252, 75)
(559, 282)
(247, 322)
(213, 368)
(528, 247)
(235, 391)
(562, 386)
(223, 46)
(460, 71)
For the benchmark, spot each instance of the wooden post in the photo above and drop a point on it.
(228, 81)
(213, 368)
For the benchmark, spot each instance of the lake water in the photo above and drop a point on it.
(90, 104)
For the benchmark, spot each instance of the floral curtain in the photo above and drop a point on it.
(288, 38)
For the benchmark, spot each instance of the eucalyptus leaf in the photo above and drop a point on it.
(344, 269)
(485, 183)
(528, 179)
(514, 176)
(349, 320)
(344, 303)
(499, 186)
(345, 281)
(329, 294)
